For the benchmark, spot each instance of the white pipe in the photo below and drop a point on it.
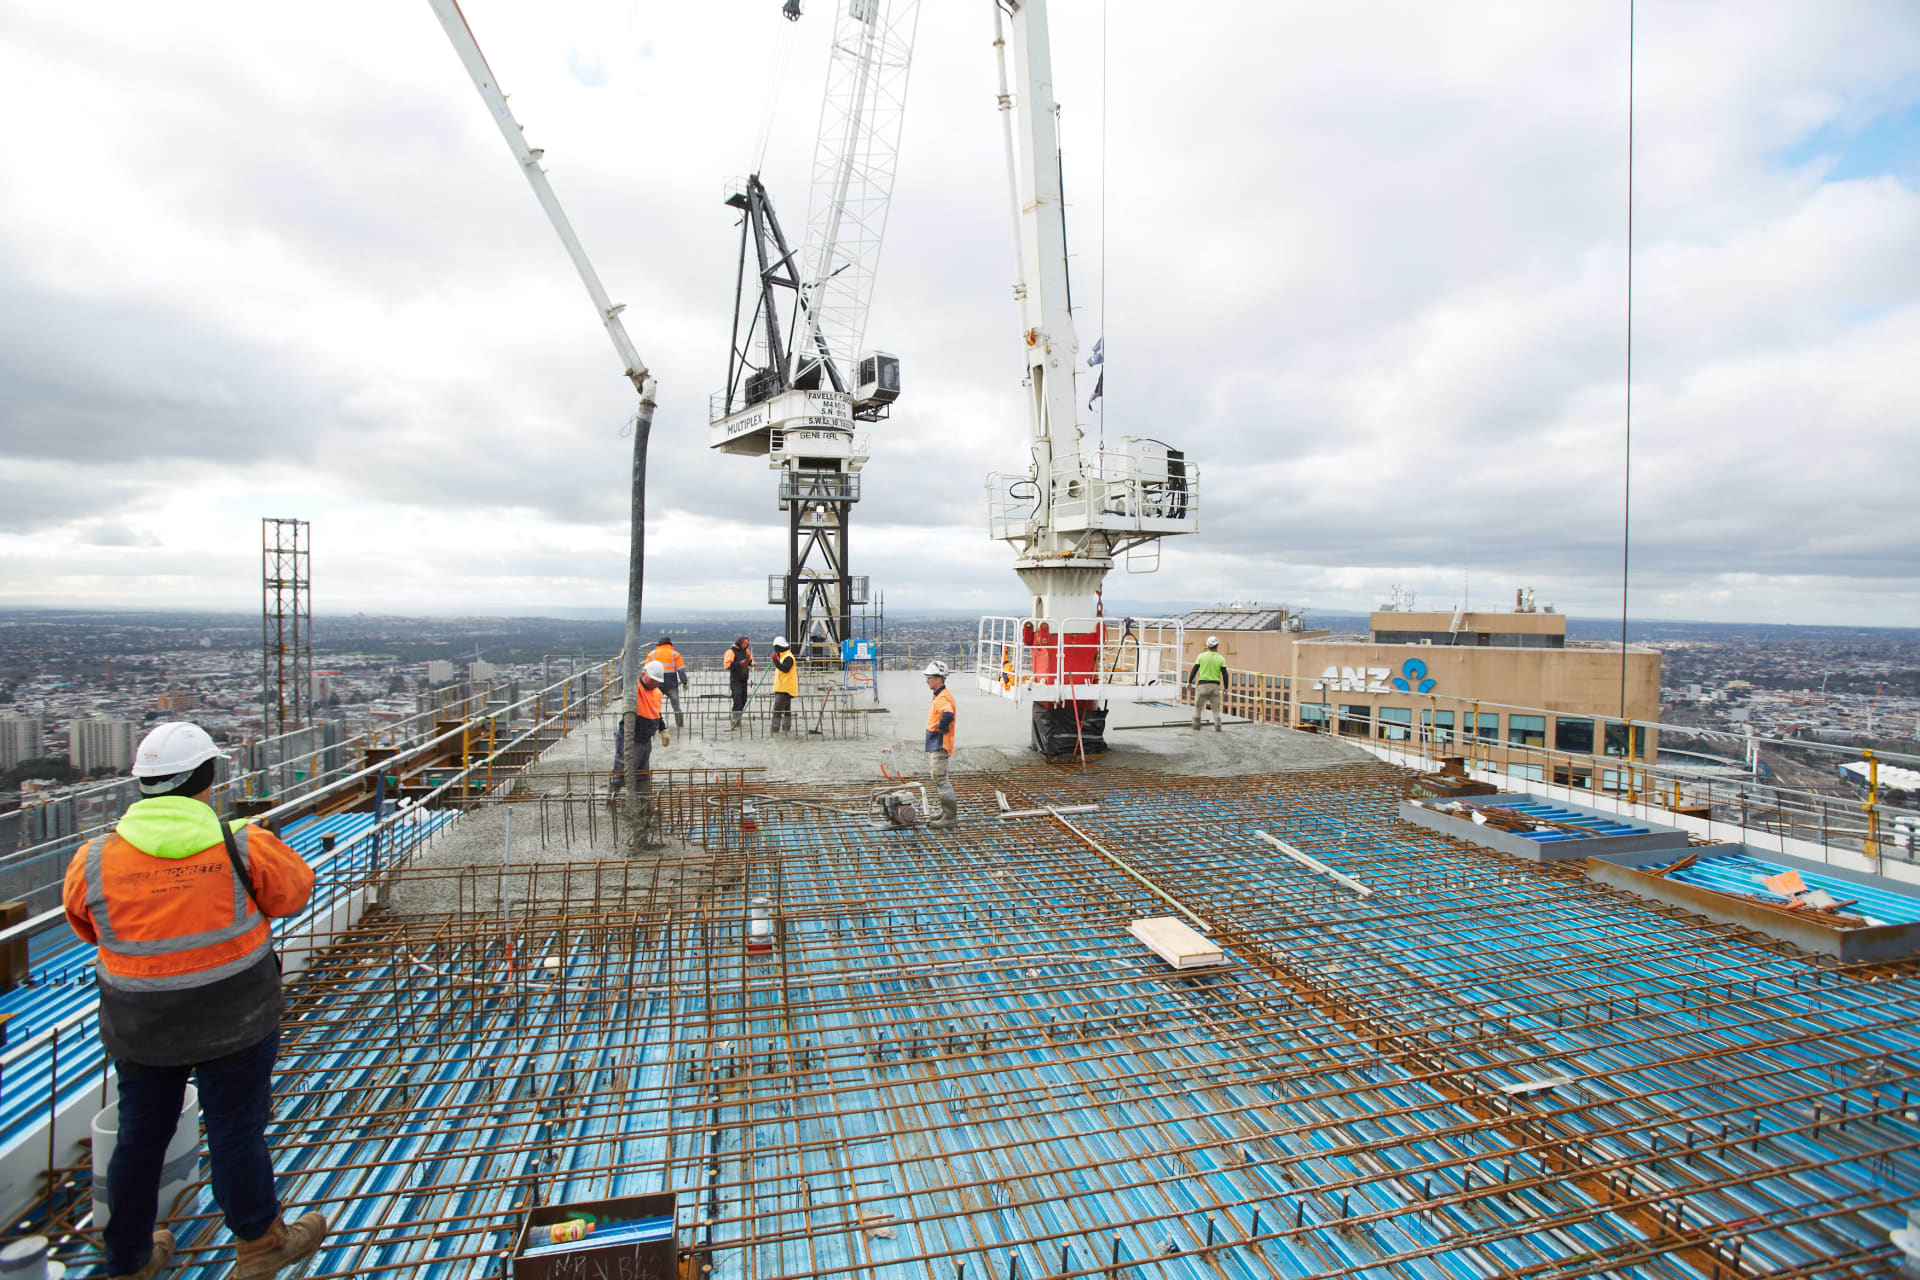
(1314, 864)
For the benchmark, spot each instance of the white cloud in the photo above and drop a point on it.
(1364, 262)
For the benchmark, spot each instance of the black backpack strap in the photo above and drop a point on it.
(239, 867)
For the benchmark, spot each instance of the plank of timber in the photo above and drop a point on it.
(1177, 943)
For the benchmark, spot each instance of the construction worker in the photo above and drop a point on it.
(676, 668)
(1209, 681)
(940, 717)
(178, 903)
(647, 690)
(738, 662)
(786, 685)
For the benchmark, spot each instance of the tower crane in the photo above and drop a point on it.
(1076, 507)
(635, 369)
(798, 377)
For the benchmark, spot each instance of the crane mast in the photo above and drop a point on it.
(798, 378)
(1074, 510)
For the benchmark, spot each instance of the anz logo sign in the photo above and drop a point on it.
(1413, 678)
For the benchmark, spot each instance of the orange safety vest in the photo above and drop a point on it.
(943, 703)
(646, 701)
(170, 924)
(669, 657)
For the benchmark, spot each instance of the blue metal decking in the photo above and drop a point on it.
(956, 1062)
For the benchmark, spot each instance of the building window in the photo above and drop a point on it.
(1617, 741)
(1612, 780)
(1312, 712)
(1436, 726)
(1396, 724)
(1573, 736)
(1356, 718)
(1527, 731)
(1486, 728)
(1531, 772)
(1578, 779)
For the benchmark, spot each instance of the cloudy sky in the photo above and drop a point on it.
(1365, 261)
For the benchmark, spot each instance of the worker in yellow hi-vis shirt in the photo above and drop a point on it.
(1209, 681)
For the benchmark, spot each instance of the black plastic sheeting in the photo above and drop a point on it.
(1058, 732)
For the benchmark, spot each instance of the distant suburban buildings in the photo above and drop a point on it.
(98, 743)
(176, 701)
(22, 738)
(439, 671)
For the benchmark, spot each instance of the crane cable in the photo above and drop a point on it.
(1103, 229)
(776, 80)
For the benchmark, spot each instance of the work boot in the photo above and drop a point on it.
(736, 719)
(159, 1260)
(281, 1247)
(679, 720)
(949, 815)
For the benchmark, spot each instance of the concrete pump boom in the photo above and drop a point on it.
(455, 24)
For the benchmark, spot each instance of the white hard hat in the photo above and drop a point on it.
(1213, 642)
(175, 747)
(657, 669)
(779, 642)
(936, 668)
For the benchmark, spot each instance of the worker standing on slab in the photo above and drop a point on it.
(940, 722)
(1209, 681)
(647, 707)
(738, 661)
(676, 668)
(786, 685)
(178, 904)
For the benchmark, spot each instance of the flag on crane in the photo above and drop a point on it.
(1099, 357)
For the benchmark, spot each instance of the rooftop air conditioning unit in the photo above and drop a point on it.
(879, 380)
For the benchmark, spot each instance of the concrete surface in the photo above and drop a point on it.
(993, 733)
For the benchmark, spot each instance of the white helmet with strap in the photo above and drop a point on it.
(936, 668)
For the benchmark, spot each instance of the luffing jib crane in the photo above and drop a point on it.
(798, 377)
(1077, 506)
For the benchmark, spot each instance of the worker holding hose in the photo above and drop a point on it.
(178, 904)
(649, 719)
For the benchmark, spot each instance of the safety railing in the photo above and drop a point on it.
(1079, 659)
(1637, 762)
(1128, 490)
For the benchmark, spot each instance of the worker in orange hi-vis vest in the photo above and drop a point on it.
(647, 689)
(941, 714)
(178, 903)
(738, 662)
(676, 678)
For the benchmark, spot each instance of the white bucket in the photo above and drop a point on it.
(183, 1155)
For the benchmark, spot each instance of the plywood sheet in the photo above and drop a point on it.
(1176, 942)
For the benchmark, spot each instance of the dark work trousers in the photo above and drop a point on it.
(236, 1093)
(783, 712)
(642, 758)
(739, 687)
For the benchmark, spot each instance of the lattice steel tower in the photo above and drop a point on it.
(286, 623)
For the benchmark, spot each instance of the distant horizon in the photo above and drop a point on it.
(1116, 609)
